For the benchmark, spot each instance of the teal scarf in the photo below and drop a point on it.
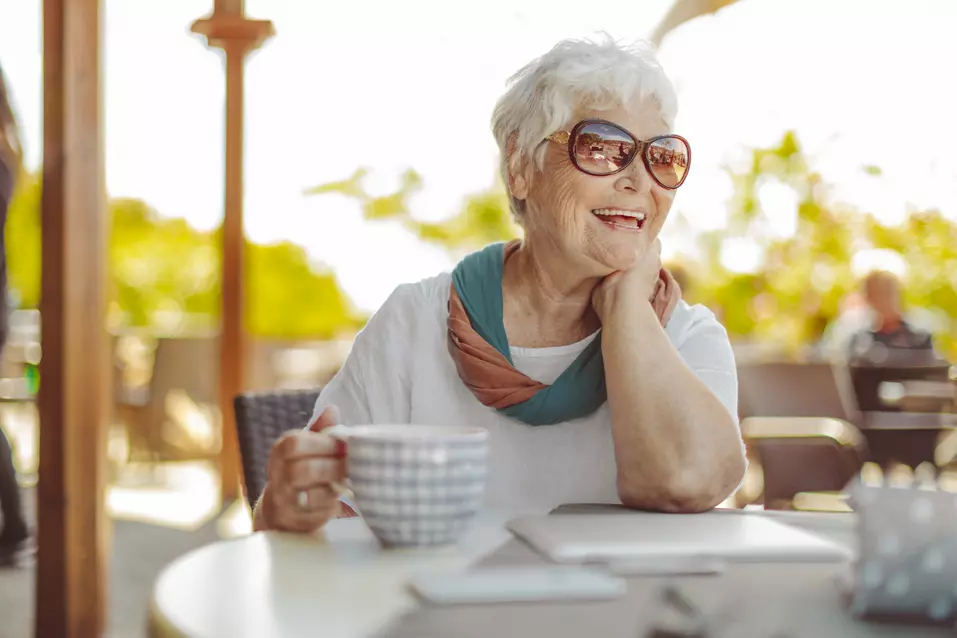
(477, 284)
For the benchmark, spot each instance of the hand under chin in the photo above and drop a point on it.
(632, 286)
(623, 258)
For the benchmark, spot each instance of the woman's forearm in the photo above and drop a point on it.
(676, 445)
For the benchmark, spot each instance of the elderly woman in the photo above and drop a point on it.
(571, 347)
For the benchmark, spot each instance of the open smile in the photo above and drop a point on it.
(620, 219)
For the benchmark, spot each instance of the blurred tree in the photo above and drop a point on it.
(23, 242)
(802, 280)
(799, 283)
(165, 275)
(483, 219)
(291, 298)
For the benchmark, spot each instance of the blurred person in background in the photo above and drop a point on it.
(572, 347)
(13, 533)
(888, 336)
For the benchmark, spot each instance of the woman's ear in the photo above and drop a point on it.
(517, 180)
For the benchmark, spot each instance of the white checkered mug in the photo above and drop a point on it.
(416, 485)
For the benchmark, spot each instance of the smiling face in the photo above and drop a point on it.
(595, 222)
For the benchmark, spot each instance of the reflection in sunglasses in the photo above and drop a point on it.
(602, 148)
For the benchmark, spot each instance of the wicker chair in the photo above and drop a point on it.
(261, 418)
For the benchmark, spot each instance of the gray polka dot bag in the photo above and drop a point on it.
(906, 568)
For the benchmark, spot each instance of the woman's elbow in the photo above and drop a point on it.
(684, 494)
(670, 501)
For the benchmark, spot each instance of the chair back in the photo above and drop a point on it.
(261, 418)
(792, 389)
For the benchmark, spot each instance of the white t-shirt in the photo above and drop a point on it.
(400, 371)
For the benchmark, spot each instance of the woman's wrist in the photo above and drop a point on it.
(628, 313)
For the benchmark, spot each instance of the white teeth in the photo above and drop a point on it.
(617, 211)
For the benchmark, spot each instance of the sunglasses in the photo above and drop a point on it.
(597, 147)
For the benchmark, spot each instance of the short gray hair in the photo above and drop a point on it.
(544, 95)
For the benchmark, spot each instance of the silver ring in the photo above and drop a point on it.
(302, 499)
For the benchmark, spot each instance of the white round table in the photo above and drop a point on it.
(339, 584)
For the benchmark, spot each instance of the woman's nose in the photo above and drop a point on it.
(635, 178)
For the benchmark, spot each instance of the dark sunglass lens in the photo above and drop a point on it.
(668, 160)
(602, 149)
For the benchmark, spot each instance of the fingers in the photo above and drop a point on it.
(307, 472)
(301, 470)
(297, 444)
(303, 446)
(316, 499)
(303, 510)
(328, 418)
(656, 292)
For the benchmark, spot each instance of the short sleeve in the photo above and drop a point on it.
(373, 385)
(704, 346)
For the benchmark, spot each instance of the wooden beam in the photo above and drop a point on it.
(227, 28)
(682, 11)
(74, 389)
(232, 341)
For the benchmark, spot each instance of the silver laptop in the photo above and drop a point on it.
(726, 536)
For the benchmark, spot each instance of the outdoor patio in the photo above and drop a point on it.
(139, 551)
(130, 452)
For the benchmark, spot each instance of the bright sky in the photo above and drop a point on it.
(858, 79)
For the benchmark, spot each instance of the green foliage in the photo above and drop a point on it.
(23, 242)
(165, 275)
(483, 219)
(801, 281)
(289, 298)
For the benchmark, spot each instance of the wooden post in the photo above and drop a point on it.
(228, 29)
(232, 341)
(74, 372)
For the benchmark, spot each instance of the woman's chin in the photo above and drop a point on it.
(618, 258)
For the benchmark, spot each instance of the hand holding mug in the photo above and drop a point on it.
(303, 473)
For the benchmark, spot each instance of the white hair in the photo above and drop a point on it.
(576, 74)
